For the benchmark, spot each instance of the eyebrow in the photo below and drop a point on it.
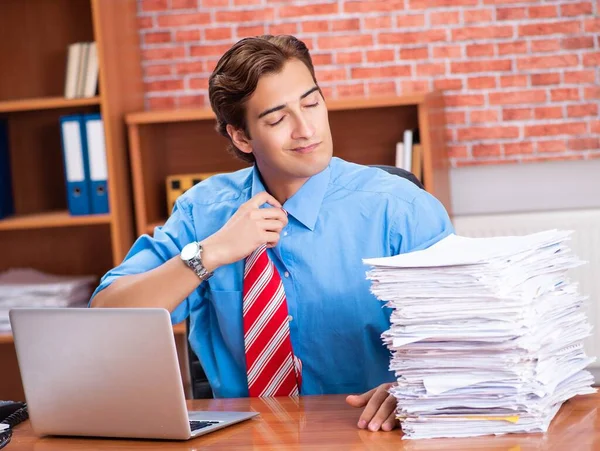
(281, 107)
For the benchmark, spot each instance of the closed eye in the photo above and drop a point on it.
(312, 105)
(278, 122)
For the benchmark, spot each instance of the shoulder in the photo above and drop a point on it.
(220, 188)
(372, 181)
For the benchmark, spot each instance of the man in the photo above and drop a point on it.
(309, 324)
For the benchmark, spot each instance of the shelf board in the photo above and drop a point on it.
(45, 103)
(198, 114)
(6, 337)
(51, 219)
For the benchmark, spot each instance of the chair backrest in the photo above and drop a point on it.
(400, 173)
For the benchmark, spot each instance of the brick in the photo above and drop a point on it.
(584, 143)
(161, 103)
(345, 25)
(432, 4)
(518, 148)
(576, 9)
(153, 5)
(579, 42)
(214, 3)
(545, 79)
(249, 31)
(547, 62)
(356, 90)
(196, 100)
(543, 28)
(448, 84)
(184, 4)
(595, 126)
(247, 2)
(490, 32)
(481, 66)
(511, 13)
(543, 12)
(448, 51)
(592, 25)
(456, 117)
(554, 145)
(586, 109)
(517, 97)
(458, 151)
(158, 70)
(444, 17)
(517, 114)
(159, 37)
(347, 41)
(590, 93)
(256, 15)
(209, 50)
(327, 91)
(164, 53)
(464, 100)
(417, 53)
(377, 23)
(486, 150)
(591, 59)
(545, 45)
(313, 9)
(325, 75)
(412, 20)
(572, 128)
(512, 48)
(548, 112)
(409, 86)
(314, 26)
(478, 15)
(580, 76)
(429, 69)
(283, 28)
(381, 72)
(388, 87)
(483, 116)
(481, 83)
(374, 56)
(509, 81)
(319, 59)
(183, 19)
(421, 37)
(164, 85)
(370, 6)
(144, 22)
(562, 94)
(218, 34)
(189, 67)
(348, 57)
(480, 50)
(187, 36)
(210, 64)
(487, 161)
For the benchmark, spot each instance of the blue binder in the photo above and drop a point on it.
(76, 166)
(7, 207)
(97, 169)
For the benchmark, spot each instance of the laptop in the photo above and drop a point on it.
(106, 372)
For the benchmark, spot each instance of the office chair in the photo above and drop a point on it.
(200, 385)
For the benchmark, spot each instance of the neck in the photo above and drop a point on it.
(280, 188)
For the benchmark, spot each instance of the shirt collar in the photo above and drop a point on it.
(306, 203)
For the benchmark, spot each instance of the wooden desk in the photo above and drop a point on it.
(327, 423)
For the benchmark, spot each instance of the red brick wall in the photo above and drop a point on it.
(522, 77)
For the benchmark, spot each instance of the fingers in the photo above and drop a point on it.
(273, 213)
(379, 413)
(271, 225)
(262, 198)
(390, 423)
(272, 239)
(360, 400)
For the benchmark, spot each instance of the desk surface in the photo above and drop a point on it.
(326, 422)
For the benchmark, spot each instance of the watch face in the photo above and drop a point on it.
(189, 251)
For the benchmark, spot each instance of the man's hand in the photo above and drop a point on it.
(380, 410)
(249, 228)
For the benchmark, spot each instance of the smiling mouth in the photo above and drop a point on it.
(306, 149)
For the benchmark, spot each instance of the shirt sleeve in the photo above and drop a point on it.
(424, 223)
(149, 252)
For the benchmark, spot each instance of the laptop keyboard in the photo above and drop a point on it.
(195, 425)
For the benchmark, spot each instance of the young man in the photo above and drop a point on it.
(309, 324)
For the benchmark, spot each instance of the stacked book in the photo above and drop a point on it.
(486, 334)
(81, 78)
(26, 287)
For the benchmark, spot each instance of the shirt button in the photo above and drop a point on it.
(286, 274)
(285, 233)
(290, 318)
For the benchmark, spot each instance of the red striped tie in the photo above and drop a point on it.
(271, 365)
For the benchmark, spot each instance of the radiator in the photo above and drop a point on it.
(585, 243)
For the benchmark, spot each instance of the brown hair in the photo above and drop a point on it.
(236, 76)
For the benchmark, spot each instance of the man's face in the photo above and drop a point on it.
(288, 125)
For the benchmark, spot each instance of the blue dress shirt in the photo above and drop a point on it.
(338, 217)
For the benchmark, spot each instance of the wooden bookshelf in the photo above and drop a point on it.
(163, 143)
(42, 234)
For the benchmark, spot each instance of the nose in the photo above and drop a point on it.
(303, 128)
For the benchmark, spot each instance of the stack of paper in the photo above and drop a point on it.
(31, 288)
(486, 334)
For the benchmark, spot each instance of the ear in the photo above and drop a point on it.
(239, 138)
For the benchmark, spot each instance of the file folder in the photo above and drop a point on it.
(75, 161)
(98, 171)
(6, 197)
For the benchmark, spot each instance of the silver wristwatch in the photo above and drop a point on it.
(191, 254)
